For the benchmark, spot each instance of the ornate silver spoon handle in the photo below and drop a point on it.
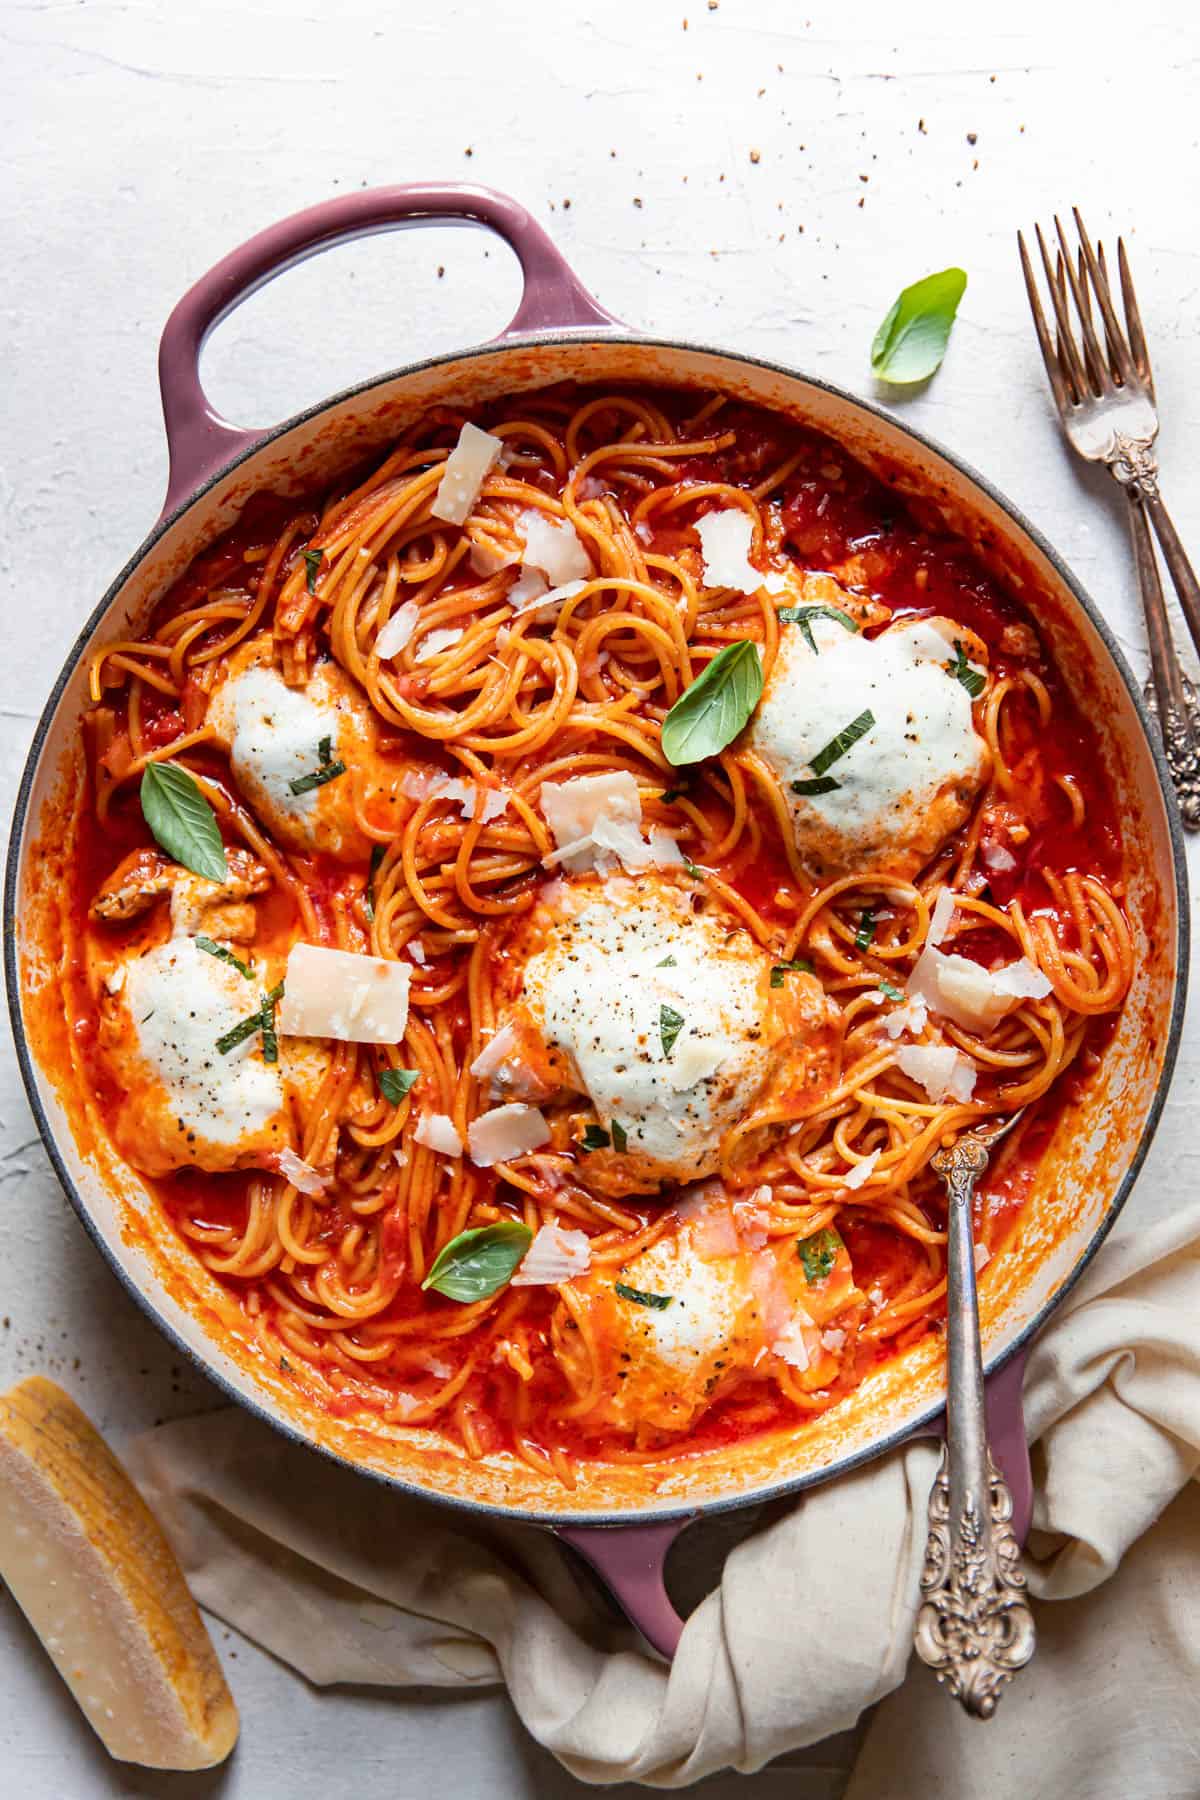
(974, 1627)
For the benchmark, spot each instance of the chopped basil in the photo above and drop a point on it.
(285, 1365)
(619, 1137)
(866, 929)
(804, 615)
(594, 1138)
(270, 1041)
(845, 740)
(709, 714)
(972, 679)
(257, 1021)
(670, 1024)
(693, 869)
(223, 955)
(377, 856)
(181, 820)
(668, 962)
(818, 1254)
(395, 1083)
(477, 1263)
(890, 992)
(801, 966)
(312, 565)
(821, 784)
(670, 795)
(911, 342)
(325, 770)
(660, 1302)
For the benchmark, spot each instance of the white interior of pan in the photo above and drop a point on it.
(1074, 1192)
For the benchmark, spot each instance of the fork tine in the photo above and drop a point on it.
(1069, 354)
(1116, 337)
(1058, 387)
(1137, 337)
(1097, 368)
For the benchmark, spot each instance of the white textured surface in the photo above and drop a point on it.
(142, 142)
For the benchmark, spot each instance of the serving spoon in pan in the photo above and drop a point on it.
(974, 1627)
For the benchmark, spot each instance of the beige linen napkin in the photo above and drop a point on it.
(812, 1621)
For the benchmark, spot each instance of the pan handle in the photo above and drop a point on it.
(200, 442)
(629, 1560)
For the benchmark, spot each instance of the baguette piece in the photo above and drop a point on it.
(87, 1563)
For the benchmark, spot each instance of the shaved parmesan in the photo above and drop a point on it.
(398, 630)
(913, 1017)
(437, 1132)
(832, 1341)
(970, 995)
(494, 803)
(435, 642)
(473, 801)
(527, 590)
(997, 860)
(555, 1255)
(466, 469)
(939, 919)
(302, 1175)
(505, 1132)
(494, 1053)
(725, 539)
(553, 546)
(416, 950)
(339, 994)
(944, 1073)
(546, 597)
(798, 1342)
(983, 1257)
(603, 813)
(694, 1058)
(862, 1172)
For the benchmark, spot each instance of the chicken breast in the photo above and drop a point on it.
(684, 1323)
(654, 1007)
(281, 739)
(872, 740)
(173, 975)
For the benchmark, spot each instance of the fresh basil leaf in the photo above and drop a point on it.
(395, 1083)
(889, 992)
(223, 955)
(620, 1137)
(594, 1138)
(818, 1254)
(845, 740)
(803, 616)
(670, 1024)
(476, 1264)
(660, 1302)
(865, 934)
(709, 714)
(820, 784)
(800, 966)
(972, 679)
(668, 962)
(911, 342)
(181, 820)
(312, 565)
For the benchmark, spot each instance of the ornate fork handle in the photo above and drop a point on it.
(1169, 694)
(974, 1627)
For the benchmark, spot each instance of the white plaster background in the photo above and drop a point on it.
(141, 141)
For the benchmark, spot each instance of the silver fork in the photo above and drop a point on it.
(1105, 399)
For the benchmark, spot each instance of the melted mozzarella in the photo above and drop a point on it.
(909, 781)
(621, 963)
(274, 733)
(177, 1002)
